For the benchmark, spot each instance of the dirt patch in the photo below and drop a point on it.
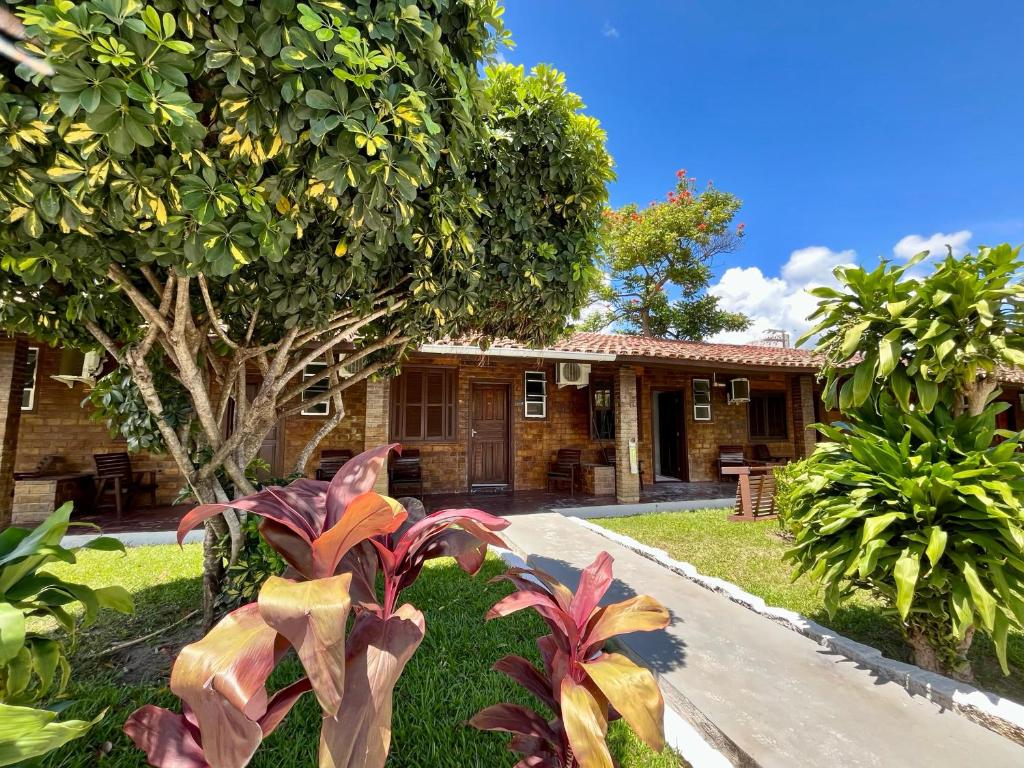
(149, 662)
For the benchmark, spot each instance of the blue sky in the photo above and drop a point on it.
(844, 127)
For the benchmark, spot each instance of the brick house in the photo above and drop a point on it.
(485, 419)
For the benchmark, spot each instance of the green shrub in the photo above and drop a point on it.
(786, 477)
(33, 663)
(915, 499)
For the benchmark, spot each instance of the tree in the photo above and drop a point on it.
(215, 192)
(668, 248)
(917, 496)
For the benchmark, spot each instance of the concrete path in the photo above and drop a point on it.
(763, 694)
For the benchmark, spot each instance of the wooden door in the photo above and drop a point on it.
(670, 435)
(272, 448)
(489, 435)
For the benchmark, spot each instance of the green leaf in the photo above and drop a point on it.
(936, 544)
(908, 566)
(12, 632)
(984, 603)
(26, 733)
(873, 526)
(863, 379)
(927, 394)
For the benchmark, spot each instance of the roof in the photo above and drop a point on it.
(614, 346)
(621, 347)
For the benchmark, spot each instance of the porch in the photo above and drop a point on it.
(165, 518)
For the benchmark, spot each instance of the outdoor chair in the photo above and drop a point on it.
(763, 455)
(405, 471)
(331, 460)
(729, 456)
(611, 458)
(114, 475)
(566, 468)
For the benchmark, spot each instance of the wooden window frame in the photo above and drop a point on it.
(31, 387)
(696, 404)
(320, 410)
(449, 406)
(595, 386)
(541, 399)
(758, 397)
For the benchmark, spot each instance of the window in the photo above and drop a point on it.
(768, 416)
(536, 404)
(702, 399)
(423, 405)
(28, 393)
(314, 391)
(602, 411)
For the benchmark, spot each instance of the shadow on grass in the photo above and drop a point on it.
(445, 684)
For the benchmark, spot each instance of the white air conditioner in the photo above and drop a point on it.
(739, 391)
(77, 366)
(572, 375)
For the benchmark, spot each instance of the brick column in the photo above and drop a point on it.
(12, 376)
(378, 424)
(804, 436)
(627, 483)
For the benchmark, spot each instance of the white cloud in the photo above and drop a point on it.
(936, 244)
(609, 30)
(778, 302)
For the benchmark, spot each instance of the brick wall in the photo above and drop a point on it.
(58, 425)
(567, 424)
(12, 371)
(297, 431)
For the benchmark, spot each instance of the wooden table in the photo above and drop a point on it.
(755, 493)
(36, 497)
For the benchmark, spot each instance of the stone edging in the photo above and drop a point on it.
(1001, 715)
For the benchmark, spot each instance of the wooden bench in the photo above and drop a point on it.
(565, 468)
(729, 456)
(755, 493)
(405, 471)
(331, 461)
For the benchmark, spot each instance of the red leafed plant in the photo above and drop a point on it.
(581, 684)
(335, 537)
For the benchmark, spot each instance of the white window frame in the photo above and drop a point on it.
(310, 371)
(31, 387)
(535, 400)
(701, 410)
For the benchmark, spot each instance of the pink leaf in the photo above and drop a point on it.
(356, 477)
(365, 516)
(165, 737)
(527, 675)
(512, 718)
(281, 703)
(594, 583)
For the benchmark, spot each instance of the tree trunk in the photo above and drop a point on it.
(931, 653)
(213, 573)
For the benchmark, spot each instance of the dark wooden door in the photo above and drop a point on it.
(272, 448)
(671, 442)
(489, 435)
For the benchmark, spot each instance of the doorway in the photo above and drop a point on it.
(489, 436)
(669, 437)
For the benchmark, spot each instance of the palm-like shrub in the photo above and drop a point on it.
(918, 497)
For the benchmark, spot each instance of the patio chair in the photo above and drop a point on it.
(729, 456)
(331, 460)
(114, 475)
(566, 468)
(763, 455)
(405, 471)
(611, 458)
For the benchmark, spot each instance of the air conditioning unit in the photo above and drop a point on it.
(739, 391)
(572, 375)
(77, 366)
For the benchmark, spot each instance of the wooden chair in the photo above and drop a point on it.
(114, 475)
(729, 456)
(405, 471)
(331, 460)
(611, 458)
(755, 493)
(566, 468)
(763, 455)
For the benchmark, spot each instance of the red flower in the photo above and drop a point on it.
(702, 226)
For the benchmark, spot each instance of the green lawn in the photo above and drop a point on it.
(445, 684)
(750, 555)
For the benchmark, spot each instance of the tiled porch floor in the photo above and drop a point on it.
(166, 518)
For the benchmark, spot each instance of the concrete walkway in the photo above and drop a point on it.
(763, 694)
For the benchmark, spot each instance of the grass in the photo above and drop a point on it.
(750, 555)
(447, 682)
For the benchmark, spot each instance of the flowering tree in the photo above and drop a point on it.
(222, 194)
(663, 251)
